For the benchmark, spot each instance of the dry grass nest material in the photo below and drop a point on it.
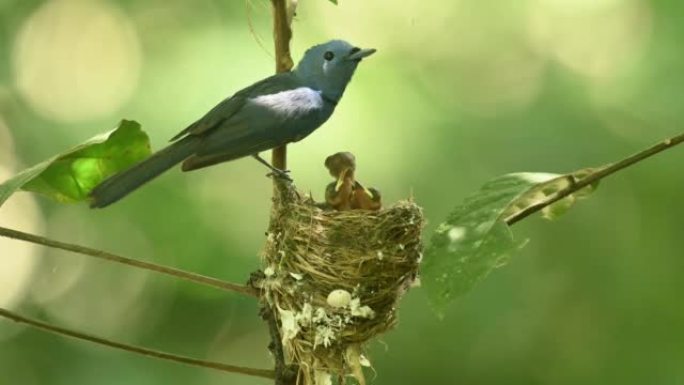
(368, 258)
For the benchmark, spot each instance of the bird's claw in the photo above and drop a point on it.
(282, 174)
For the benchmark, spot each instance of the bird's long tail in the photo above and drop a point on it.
(119, 185)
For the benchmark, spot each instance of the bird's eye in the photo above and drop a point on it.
(328, 55)
(354, 50)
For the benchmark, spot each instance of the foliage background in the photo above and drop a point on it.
(459, 92)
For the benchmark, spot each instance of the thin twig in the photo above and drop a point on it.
(257, 38)
(265, 373)
(276, 345)
(282, 34)
(595, 177)
(188, 276)
(284, 374)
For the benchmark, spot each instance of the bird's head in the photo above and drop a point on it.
(340, 163)
(329, 67)
(341, 166)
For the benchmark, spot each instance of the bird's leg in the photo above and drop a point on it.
(274, 171)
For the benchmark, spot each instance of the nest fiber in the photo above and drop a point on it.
(333, 278)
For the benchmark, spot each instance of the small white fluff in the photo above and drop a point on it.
(296, 276)
(360, 311)
(288, 325)
(269, 271)
(322, 378)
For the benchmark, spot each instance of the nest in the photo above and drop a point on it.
(366, 259)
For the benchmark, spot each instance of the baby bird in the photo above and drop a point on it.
(347, 193)
(366, 198)
(339, 194)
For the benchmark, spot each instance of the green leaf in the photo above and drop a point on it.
(544, 190)
(334, 1)
(556, 209)
(70, 176)
(583, 173)
(475, 239)
(539, 192)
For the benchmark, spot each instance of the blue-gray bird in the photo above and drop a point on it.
(280, 109)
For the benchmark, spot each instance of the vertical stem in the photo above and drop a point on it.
(282, 33)
(284, 374)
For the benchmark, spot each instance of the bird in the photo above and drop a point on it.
(347, 193)
(366, 198)
(339, 194)
(277, 110)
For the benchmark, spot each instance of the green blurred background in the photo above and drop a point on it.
(459, 92)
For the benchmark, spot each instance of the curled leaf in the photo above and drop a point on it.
(71, 175)
(475, 239)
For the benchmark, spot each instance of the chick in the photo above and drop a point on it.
(347, 193)
(340, 194)
(366, 198)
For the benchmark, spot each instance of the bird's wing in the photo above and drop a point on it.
(273, 112)
(241, 142)
(233, 104)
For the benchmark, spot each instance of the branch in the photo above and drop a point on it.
(188, 276)
(284, 374)
(136, 349)
(282, 34)
(595, 177)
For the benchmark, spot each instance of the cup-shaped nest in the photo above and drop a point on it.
(333, 278)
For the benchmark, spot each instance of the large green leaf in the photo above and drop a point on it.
(70, 176)
(475, 239)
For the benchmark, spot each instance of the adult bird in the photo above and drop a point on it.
(280, 109)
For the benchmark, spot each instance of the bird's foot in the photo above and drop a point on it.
(281, 174)
(275, 172)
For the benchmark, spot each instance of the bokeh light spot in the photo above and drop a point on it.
(596, 39)
(88, 294)
(17, 259)
(76, 60)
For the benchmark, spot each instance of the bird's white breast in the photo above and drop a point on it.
(291, 103)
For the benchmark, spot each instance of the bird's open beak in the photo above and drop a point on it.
(340, 179)
(366, 190)
(358, 55)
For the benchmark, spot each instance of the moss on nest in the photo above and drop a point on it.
(310, 252)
